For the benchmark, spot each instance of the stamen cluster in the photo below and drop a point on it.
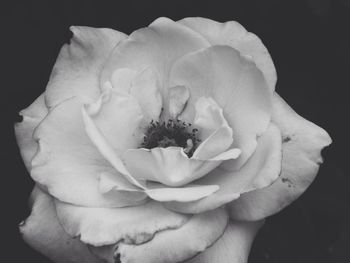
(171, 133)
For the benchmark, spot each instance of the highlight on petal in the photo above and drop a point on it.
(67, 164)
(118, 118)
(233, 246)
(235, 84)
(177, 245)
(261, 169)
(169, 166)
(303, 142)
(78, 65)
(43, 232)
(106, 226)
(24, 130)
(235, 35)
(188, 193)
(156, 46)
(214, 131)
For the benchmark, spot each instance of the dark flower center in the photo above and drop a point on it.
(171, 133)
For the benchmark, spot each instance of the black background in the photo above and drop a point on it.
(310, 45)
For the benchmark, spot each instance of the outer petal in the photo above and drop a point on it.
(303, 142)
(105, 226)
(24, 130)
(260, 170)
(156, 46)
(200, 232)
(67, 163)
(238, 87)
(233, 246)
(79, 63)
(235, 35)
(43, 232)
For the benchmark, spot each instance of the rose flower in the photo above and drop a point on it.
(168, 145)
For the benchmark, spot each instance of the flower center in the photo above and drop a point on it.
(171, 133)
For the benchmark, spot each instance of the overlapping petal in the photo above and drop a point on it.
(235, 35)
(156, 47)
(262, 168)
(189, 193)
(178, 245)
(170, 166)
(78, 65)
(116, 186)
(24, 130)
(42, 231)
(238, 87)
(106, 226)
(177, 97)
(303, 142)
(215, 133)
(233, 246)
(118, 117)
(67, 163)
(159, 192)
(143, 86)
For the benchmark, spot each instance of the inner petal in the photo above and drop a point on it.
(169, 166)
(214, 131)
(143, 86)
(178, 97)
(117, 116)
(236, 84)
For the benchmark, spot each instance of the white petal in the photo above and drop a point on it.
(301, 159)
(118, 118)
(178, 97)
(24, 130)
(188, 193)
(235, 84)
(169, 166)
(235, 35)
(200, 232)
(146, 89)
(262, 168)
(113, 185)
(105, 226)
(143, 86)
(77, 69)
(233, 246)
(67, 163)
(122, 78)
(42, 231)
(214, 131)
(157, 47)
(106, 150)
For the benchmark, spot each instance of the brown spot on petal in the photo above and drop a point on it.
(286, 139)
(287, 181)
